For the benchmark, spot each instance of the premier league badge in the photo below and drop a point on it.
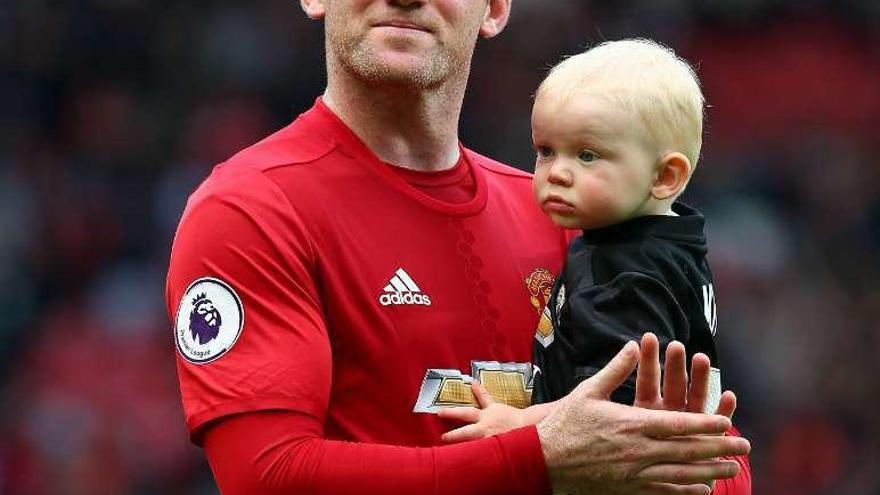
(209, 320)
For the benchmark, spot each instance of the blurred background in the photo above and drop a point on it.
(112, 111)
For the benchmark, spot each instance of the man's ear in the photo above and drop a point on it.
(673, 172)
(313, 8)
(495, 18)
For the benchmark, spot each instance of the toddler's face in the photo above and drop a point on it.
(595, 161)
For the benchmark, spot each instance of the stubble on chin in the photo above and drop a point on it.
(360, 57)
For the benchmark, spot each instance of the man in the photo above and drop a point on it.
(337, 282)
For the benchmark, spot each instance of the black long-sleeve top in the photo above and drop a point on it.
(646, 274)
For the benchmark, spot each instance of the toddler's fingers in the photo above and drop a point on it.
(461, 414)
(484, 398)
(463, 434)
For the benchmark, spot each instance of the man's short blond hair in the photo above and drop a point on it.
(645, 77)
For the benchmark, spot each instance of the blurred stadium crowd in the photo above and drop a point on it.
(113, 110)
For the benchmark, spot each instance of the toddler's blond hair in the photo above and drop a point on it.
(644, 76)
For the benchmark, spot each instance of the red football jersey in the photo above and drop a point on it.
(306, 275)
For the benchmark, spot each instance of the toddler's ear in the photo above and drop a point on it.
(673, 172)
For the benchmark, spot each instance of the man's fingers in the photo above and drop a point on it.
(675, 379)
(670, 489)
(727, 404)
(697, 448)
(462, 414)
(484, 398)
(463, 434)
(662, 424)
(690, 473)
(648, 375)
(698, 392)
(606, 381)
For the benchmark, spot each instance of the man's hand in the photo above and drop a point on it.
(593, 446)
(677, 393)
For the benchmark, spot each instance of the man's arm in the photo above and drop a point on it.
(678, 394)
(497, 418)
(282, 452)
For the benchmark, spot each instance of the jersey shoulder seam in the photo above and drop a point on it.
(313, 250)
(264, 166)
(229, 185)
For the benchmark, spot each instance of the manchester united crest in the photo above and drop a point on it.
(540, 284)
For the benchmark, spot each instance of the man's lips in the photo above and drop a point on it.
(403, 25)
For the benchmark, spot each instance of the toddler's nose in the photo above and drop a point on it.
(559, 174)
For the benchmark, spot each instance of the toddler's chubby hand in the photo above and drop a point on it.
(490, 419)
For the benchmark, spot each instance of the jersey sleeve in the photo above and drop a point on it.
(240, 232)
(596, 321)
(741, 484)
(283, 453)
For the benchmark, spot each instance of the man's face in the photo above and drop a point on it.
(415, 43)
(595, 161)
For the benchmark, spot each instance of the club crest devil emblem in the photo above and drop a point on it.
(540, 284)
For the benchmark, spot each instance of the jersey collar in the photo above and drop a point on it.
(688, 227)
(352, 146)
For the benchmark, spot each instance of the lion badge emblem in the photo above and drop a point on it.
(209, 320)
(204, 320)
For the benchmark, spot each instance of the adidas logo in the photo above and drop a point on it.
(401, 289)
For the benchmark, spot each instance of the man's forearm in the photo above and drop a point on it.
(280, 453)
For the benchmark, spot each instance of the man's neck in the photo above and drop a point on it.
(407, 127)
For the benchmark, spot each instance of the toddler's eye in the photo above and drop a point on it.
(586, 156)
(543, 152)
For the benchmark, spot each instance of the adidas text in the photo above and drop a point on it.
(404, 298)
